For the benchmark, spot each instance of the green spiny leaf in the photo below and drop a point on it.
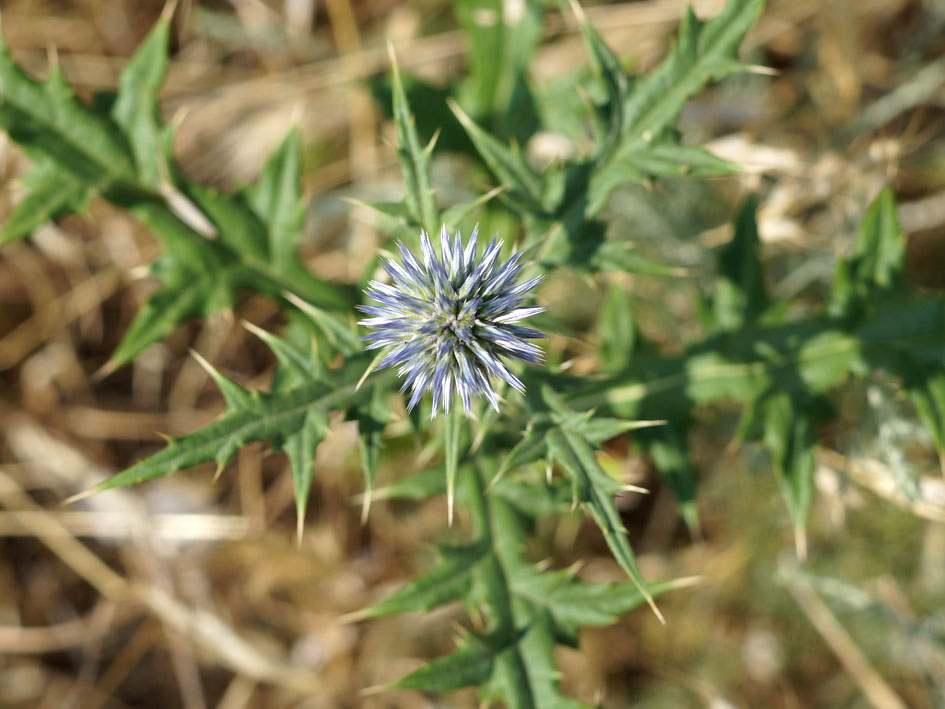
(615, 79)
(574, 604)
(877, 260)
(136, 108)
(740, 293)
(471, 664)
(51, 192)
(300, 447)
(276, 198)
(595, 489)
(617, 327)
(275, 416)
(524, 186)
(790, 437)
(449, 580)
(420, 199)
(703, 52)
(372, 419)
(48, 120)
(667, 448)
(499, 53)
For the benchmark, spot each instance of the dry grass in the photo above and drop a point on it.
(192, 592)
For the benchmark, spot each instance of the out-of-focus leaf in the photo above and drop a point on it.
(276, 198)
(620, 256)
(501, 43)
(790, 437)
(524, 187)
(926, 389)
(618, 332)
(136, 108)
(372, 418)
(877, 260)
(739, 296)
(417, 486)
(667, 448)
(48, 120)
(615, 79)
(420, 200)
(51, 192)
(672, 159)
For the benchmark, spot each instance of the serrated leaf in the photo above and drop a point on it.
(51, 192)
(300, 447)
(185, 294)
(615, 79)
(119, 153)
(667, 448)
(136, 108)
(574, 604)
(704, 51)
(371, 418)
(877, 260)
(276, 198)
(500, 47)
(524, 187)
(618, 332)
(48, 120)
(789, 436)
(925, 387)
(420, 199)
(471, 664)
(449, 580)
(740, 296)
(595, 489)
(529, 449)
(296, 360)
(276, 417)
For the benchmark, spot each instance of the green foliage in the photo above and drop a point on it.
(529, 610)
(216, 244)
(541, 452)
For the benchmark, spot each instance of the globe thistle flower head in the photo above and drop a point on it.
(448, 322)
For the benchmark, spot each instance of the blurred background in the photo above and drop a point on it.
(228, 611)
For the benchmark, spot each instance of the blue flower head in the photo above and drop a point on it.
(449, 321)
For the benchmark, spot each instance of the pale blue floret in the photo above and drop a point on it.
(449, 322)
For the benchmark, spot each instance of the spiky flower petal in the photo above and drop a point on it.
(449, 321)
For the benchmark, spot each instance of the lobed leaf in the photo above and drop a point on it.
(120, 150)
(740, 296)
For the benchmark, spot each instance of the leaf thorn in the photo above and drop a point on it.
(366, 506)
(105, 370)
(80, 496)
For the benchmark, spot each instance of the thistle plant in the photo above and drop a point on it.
(449, 322)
